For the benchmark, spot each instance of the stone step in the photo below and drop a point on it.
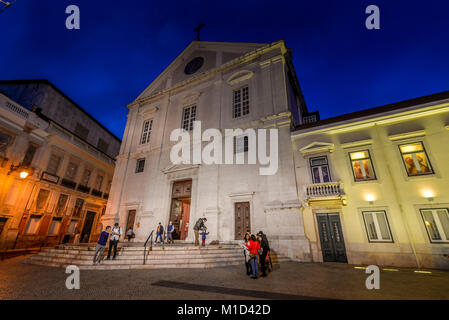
(77, 262)
(136, 252)
(140, 256)
(142, 267)
(154, 248)
(177, 256)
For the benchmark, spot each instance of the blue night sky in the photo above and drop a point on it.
(123, 46)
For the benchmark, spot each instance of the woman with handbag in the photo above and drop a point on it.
(254, 248)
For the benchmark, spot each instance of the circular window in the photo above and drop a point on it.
(194, 65)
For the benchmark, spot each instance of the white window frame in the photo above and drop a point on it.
(37, 225)
(320, 169)
(146, 131)
(443, 235)
(137, 165)
(239, 144)
(55, 221)
(377, 227)
(240, 105)
(188, 116)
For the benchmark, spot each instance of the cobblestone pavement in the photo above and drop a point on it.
(289, 280)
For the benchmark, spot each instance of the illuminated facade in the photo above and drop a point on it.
(224, 85)
(56, 167)
(374, 184)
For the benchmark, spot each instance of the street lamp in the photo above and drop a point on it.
(428, 194)
(370, 198)
(24, 171)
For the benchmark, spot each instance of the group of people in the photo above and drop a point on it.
(256, 247)
(115, 233)
(199, 229)
(162, 234)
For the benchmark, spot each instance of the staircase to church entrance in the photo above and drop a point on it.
(131, 257)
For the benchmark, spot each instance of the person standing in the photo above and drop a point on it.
(203, 237)
(246, 241)
(101, 245)
(170, 229)
(113, 241)
(160, 233)
(199, 225)
(254, 248)
(265, 248)
(130, 234)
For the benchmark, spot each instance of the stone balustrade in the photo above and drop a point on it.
(324, 190)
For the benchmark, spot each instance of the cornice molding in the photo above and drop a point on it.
(356, 143)
(406, 135)
(250, 56)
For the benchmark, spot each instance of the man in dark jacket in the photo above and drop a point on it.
(199, 225)
(160, 233)
(265, 246)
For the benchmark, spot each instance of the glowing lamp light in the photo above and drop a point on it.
(23, 174)
(370, 198)
(428, 194)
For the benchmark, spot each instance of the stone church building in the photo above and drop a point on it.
(224, 85)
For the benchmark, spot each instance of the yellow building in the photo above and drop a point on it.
(375, 184)
(54, 184)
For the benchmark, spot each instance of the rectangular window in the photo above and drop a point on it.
(2, 224)
(5, 140)
(42, 199)
(415, 159)
(55, 226)
(140, 166)
(102, 145)
(377, 227)
(62, 202)
(362, 166)
(33, 225)
(29, 155)
(72, 227)
(86, 177)
(320, 170)
(53, 164)
(146, 132)
(98, 182)
(78, 207)
(241, 144)
(72, 169)
(240, 103)
(188, 116)
(81, 131)
(436, 222)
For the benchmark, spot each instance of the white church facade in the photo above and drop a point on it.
(224, 86)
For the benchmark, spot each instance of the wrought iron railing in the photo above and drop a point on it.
(150, 239)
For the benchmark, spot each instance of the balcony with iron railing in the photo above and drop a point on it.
(324, 191)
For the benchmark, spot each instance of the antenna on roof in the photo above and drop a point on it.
(5, 4)
(197, 30)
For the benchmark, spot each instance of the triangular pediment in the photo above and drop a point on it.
(179, 167)
(208, 55)
(317, 147)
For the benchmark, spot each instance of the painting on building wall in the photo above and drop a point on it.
(415, 159)
(362, 166)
